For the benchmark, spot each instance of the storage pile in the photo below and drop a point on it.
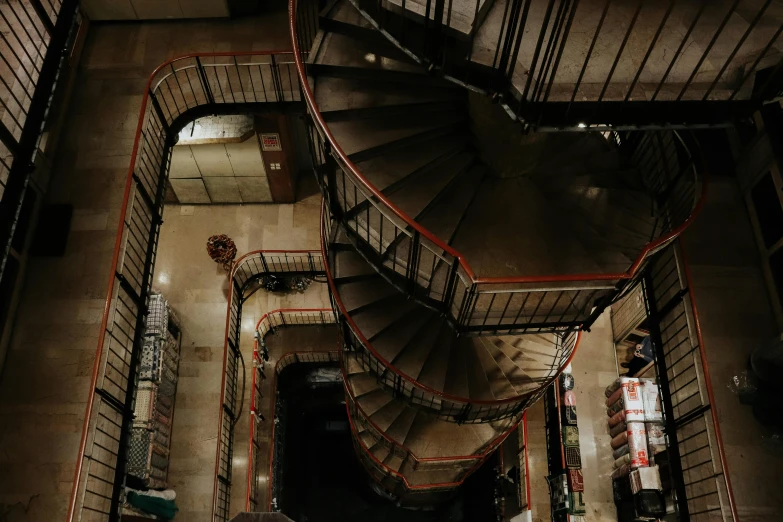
(150, 436)
(567, 489)
(636, 427)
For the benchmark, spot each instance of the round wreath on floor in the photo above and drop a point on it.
(222, 250)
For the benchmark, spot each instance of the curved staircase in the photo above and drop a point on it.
(463, 258)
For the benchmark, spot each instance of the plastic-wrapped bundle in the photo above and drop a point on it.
(621, 471)
(566, 382)
(656, 439)
(569, 415)
(157, 317)
(573, 457)
(651, 400)
(637, 444)
(621, 439)
(632, 400)
(624, 460)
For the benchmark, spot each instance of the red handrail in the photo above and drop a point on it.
(318, 118)
(527, 460)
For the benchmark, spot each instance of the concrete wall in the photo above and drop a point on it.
(153, 9)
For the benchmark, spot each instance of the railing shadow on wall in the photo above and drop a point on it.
(176, 93)
(431, 271)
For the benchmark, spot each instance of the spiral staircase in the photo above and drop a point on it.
(462, 274)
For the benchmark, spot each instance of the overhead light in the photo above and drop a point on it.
(370, 57)
(582, 125)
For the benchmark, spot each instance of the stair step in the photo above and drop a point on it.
(478, 383)
(346, 51)
(391, 343)
(360, 294)
(363, 384)
(402, 424)
(433, 374)
(335, 95)
(359, 138)
(413, 356)
(384, 417)
(499, 383)
(393, 462)
(374, 401)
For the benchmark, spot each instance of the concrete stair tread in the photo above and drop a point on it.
(349, 263)
(430, 437)
(372, 402)
(374, 321)
(402, 424)
(478, 381)
(355, 136)
(343, 94)
(384, 417)
(411, 359)
(357, 294)
(385, 170)
(460, 16)
(393, 462)
(345, 51)
(422, 191)
(380, 451)
(517, 376)
(363, 384)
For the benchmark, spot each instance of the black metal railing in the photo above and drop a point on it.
(34, 38)
(246, 278)
(697, 464)
(563, 62)
(177, 92)
(427, 269)
(266, 325)
(445, 406)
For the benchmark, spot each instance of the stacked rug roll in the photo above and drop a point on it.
(150, 436)
(636, 426)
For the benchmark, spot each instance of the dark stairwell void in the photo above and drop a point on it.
(322, 479)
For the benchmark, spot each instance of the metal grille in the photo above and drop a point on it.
(696, 460)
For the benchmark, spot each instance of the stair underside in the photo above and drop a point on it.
(424, 435)
(425, 348)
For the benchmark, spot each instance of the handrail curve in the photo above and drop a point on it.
(324, 130)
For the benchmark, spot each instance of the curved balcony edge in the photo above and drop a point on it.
(478, 304)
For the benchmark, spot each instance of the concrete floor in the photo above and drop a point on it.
(46, 377)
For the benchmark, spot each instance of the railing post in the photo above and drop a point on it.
(159, 112)
(663, 378)
(204, 82)
(413, 255)
(43, 15)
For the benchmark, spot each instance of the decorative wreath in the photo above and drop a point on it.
(222, 250)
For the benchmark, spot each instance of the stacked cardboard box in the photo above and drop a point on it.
(635, 424)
